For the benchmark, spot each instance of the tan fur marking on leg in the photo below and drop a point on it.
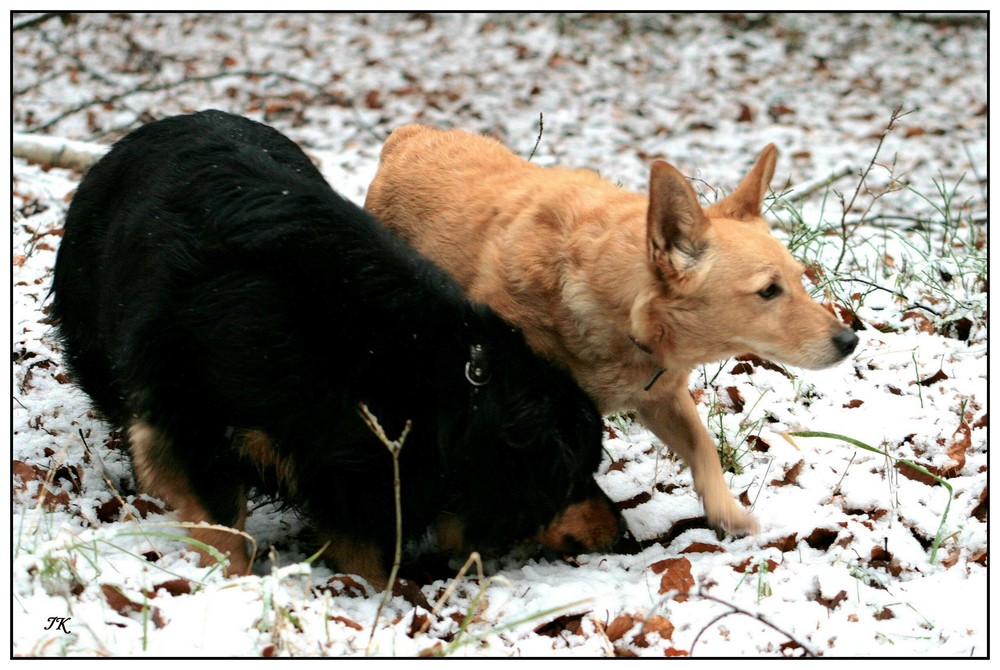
(590, 524)
(450, 534)
(258, 447)
(356, 557)
(173, 487)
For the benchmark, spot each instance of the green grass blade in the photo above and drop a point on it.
(910, 464)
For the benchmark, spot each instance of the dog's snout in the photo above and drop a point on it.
(845, 341)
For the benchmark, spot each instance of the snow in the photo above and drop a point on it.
(842, 563)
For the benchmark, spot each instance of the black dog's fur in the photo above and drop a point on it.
(219, 300)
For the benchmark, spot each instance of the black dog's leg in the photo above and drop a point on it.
(200, 481)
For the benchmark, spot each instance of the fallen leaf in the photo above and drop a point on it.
(676, 576)
(654, 624)
(621, 624)
(786, 543)
(568, 622)
(822, 538)
(736, 398)
(832, 603)
(635, 501)
(791, 476)
(118, 601)
(934, 378)
(347, 622)
(702, 548)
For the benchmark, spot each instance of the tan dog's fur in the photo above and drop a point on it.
(612, 284)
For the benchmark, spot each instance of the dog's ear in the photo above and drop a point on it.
(675, 223)
(747, 200)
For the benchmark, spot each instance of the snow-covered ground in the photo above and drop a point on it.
(843, 564)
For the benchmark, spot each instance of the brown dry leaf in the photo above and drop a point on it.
(146, 507)
(343, 585)
(567, 622)
(635, 501)
(109, 511)
(672, 651)
(920, 321)
(736, 398)
(822, 538)
(676, 576)
(657, 624)
(175, 587)
(52, 501)
(750, 566)
(347, 622)
(934, 378)
(25, 473)
(916, 475)
(622, 624)
(981, 510)
(118, 601)
(960, 442)
(832, 603)
(411, 593)
(702, 548)
(791, 476)
(854, 403)
(783, 544)
(18, 260)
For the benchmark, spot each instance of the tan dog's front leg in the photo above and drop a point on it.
(674, 419)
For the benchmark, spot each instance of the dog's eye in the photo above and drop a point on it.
(771, 291)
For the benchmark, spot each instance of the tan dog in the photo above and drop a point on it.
(629, 292)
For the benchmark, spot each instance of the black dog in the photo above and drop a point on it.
(219, 301)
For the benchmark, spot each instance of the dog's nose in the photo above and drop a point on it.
(845, 341)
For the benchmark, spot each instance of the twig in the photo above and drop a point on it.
(897, 113)
(541, 125)
(474, 558)
(394, 447)
(148, 87)
(38, 19)
(807, 188)
(739, 610)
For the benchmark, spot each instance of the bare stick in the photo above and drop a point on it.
(394, 447)
(734, 609)
(148, 87)
(807, 188)
(37, 19)
(541, 126)
(474, 558)
(897, 113)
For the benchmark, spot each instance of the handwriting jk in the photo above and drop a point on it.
(59, 622)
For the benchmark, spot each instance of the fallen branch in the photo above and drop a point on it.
(148, 87)
(541, 126)
(56, 151)
(36, 19)
(394, 447)
(734, 609)
(809, 187)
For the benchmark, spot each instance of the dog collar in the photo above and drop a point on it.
(477, 370)
(652, 380)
